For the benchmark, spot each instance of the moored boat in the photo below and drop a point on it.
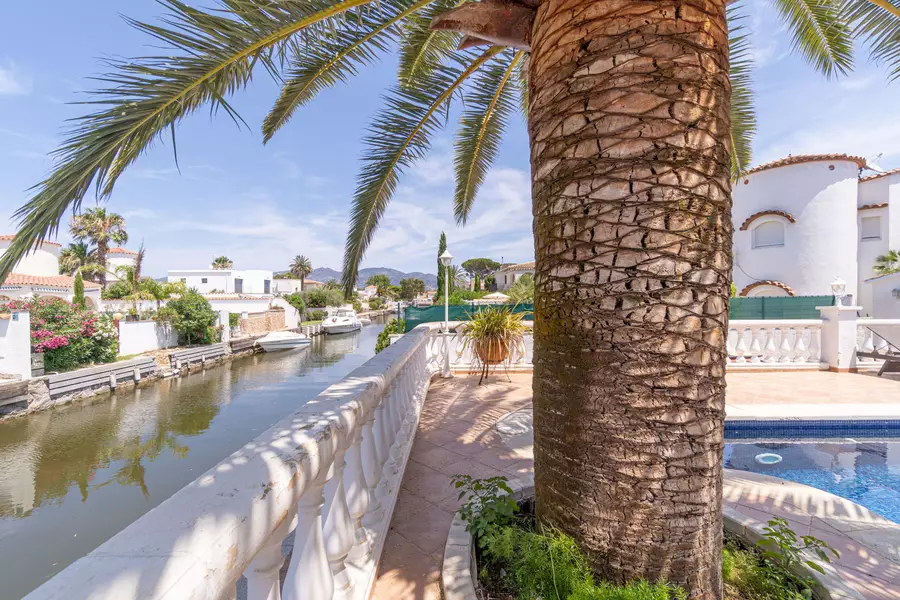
(343, 320)
(282, 340)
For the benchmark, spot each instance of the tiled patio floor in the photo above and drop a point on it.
(457, 435)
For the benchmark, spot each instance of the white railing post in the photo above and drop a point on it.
(784, 347)
(357, 493)
(740, 348)
(799, 347)
(263, 574)
(755, 348)
(815, 352)
(372, 469)
(309, 576)
(338, 529)
(839, 336)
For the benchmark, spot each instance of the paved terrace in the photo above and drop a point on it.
(458, 434)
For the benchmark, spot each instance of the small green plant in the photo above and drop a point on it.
(384, 336)
(784, 550)
(376, 303)
(357, 305)
(234, 319)
(78, 296)
(489, 504)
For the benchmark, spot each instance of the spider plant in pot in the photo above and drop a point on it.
(493, 332)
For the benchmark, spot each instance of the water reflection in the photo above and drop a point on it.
(72, 477)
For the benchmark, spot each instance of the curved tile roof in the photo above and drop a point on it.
(121, 251)
(805, 158)
(526, 266)
(879, 175)
(772, 282)
(763, 213)
(871, 206)
(59, 281)
(11, 237)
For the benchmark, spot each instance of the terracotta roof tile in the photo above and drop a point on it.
(526, 266)
(59, 281)
(805, 158)
(879, 175)
(763, 213)
(10, 237)
(121, 251)
(871, 206)
(771, 282)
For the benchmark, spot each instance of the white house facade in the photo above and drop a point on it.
(803, 221)
(226, 281)
(509, 274)
(118, 257)
(37, 274)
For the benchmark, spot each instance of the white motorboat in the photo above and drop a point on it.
(283, 340)
(343, 320)
(364, 321)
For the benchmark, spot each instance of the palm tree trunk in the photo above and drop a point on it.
(629, 121)
(102, 248)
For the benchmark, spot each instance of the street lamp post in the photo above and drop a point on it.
(445, 259)
(839, 289)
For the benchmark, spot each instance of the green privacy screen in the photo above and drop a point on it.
(434, 314)
(788, 307)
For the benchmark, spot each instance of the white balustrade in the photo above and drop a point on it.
(778, 344)
(876, 335)
(330, 473)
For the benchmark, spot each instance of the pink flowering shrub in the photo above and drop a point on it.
(67, 335)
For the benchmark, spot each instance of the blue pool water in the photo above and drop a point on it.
(866, 472)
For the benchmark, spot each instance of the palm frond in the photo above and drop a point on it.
(481, 129)
(334, 59)
(213, 53)
(820, 33)
(743, 114)
(522, 84)
(877, 23)
(399, 136)
(424, 49)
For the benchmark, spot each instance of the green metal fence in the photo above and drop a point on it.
(787, 307)
(435, 314)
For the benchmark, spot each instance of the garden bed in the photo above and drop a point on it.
(462, 559)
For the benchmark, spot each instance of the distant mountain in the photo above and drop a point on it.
(324, 274)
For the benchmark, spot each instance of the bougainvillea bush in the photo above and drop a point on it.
(67, 335)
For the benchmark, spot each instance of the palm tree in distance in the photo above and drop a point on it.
(99, 227)
(301, 267)
(639, 114)
(79, 256)
(222, 263)
(887, 263)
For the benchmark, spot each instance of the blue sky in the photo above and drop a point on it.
(261, 205)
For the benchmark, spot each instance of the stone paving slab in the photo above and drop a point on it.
(457, 434)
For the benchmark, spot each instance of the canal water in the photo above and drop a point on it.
(72, 477)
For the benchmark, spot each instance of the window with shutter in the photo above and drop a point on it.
(870, 228)
(768, 234)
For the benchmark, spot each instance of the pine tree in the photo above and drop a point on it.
(78, 296)
(442, 247)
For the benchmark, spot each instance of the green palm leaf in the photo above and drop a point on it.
(820, 33)
(743, 115)
(399, 136)
(424, 49)
(148, 96)
(522, 84)
(481, 129)
(334, 60)
(877, 23)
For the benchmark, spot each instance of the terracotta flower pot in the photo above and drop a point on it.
(492, 352)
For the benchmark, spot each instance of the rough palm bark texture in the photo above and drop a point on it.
(629, 126)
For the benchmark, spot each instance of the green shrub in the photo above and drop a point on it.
(116, 291)
(296, 300)
(234, 319)
(166, 314)
(316, 315)
(357, 305)
(384, 336)
(376, 303)
(193, 318)
(322, 297)
(67, 335)
(78, 291)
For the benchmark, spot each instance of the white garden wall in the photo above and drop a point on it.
(15, 344)
(143, 336)
(291, 315)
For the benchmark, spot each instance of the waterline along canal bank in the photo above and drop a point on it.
(72, 477)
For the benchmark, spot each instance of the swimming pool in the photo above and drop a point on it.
(864, 470)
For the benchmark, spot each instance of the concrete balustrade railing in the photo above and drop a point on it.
(774, 343)
(877, 335)
(329, 473)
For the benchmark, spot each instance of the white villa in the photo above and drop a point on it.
(289, 286)
(508, 274)
(118, 257)
(225, 281)
(802, 221)
(38, 274)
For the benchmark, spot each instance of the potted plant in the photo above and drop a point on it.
(493, 333)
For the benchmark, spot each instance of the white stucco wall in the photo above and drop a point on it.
(15, 345)
(291, 315)
(506, 279)
(285, 286)
(92, 295)
(820, 246)
(142, 336)
(884, 305)
(241, 306)
(43, 261)
(867, 252)
(117, 260)
(253, 281)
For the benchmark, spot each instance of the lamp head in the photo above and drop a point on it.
(838, 287)
(445, 258)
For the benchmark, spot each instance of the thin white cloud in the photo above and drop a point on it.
(856, 84)
(13, 80)
(190, 172)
